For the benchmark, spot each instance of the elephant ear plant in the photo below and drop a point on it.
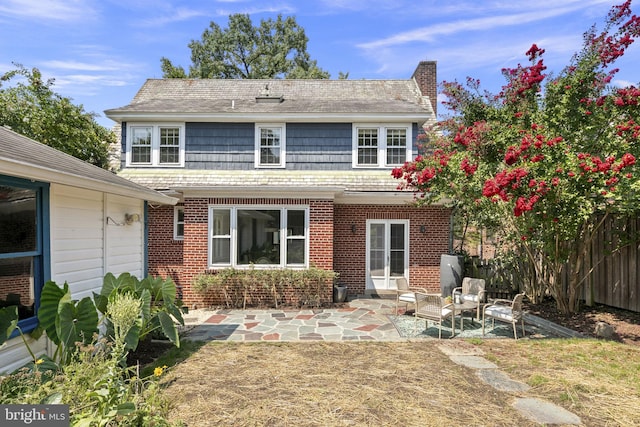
(158, 309)
(68, 322)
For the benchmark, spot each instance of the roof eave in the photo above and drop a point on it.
(45, 174)
(277, 116)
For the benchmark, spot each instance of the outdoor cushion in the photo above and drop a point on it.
(469, 297)
(407, 297)
(500, 312)
(446, 312)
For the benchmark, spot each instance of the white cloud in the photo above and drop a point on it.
(175, 15)
(82, 66)
(429, 33)
(47, 10)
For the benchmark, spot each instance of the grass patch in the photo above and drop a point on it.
(380, 383)
(598, 380)
(173, 356)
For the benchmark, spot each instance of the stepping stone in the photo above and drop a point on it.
(475, 362)
(545, 413)
(501, 381)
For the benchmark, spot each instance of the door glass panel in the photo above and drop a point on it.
(376, 249)
(397, 250)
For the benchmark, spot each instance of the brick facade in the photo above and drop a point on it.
(337, 236)
(424, 248)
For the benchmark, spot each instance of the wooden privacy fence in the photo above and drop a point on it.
(612, 268)
(497, 284)
(615, 274)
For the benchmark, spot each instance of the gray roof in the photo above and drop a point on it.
(25, 158)
(221, 96)
(264, 180)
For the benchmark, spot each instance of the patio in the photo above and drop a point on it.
(365, 319)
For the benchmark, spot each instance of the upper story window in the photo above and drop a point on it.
(155, 145)
(24, 254)
(178, 222)
(381, 145)
(270, 145)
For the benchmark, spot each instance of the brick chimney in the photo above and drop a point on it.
(426, 78)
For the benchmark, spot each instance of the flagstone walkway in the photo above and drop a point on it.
(365, 319)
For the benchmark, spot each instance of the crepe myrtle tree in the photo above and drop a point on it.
(546, 161)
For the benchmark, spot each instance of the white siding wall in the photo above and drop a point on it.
(124, 244)
(90, 239)
(85, 245)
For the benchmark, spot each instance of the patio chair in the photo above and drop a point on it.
(404, 293)
(433, 307)
(472, 290)
(505, 310)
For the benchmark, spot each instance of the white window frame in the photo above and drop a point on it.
(382, 143)
(177, 222)
(283, 138)
(155, 144)
(282, 236)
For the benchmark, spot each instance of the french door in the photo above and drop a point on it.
(387, 253)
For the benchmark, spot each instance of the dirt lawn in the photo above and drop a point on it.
(411, 383)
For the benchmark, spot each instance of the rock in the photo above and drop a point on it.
(604, 330)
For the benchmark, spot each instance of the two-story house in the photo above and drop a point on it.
(286, 174)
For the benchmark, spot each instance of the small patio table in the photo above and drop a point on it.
(461, 308)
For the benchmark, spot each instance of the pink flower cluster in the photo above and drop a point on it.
(503, 183)
(627, 96)
(629, 129)
(610, 48)
(538, 141)
(524, 79)
(468, 168)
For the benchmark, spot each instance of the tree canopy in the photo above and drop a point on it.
(31, 108)
(274, 49)
(546, 160)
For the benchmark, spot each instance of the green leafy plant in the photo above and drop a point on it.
(239, 288)
(158, 309)
(66, 321)
(8, 322)
(545, 162)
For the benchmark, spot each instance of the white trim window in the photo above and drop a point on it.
(155, 145)
(260, 236)
(178, 223)
(381, 145)
(270, 145)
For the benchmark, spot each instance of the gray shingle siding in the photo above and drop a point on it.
(220, 146)
(231, 146)
(318, 146)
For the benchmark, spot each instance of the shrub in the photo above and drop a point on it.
(271, 287)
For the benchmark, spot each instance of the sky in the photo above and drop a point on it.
(100, 52)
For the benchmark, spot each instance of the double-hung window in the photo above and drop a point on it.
(378, 145)
(260, 236)
(155, 145)
(24, 243)
(178, 223)
(270, 145)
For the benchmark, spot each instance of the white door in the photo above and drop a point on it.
(387, 253)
